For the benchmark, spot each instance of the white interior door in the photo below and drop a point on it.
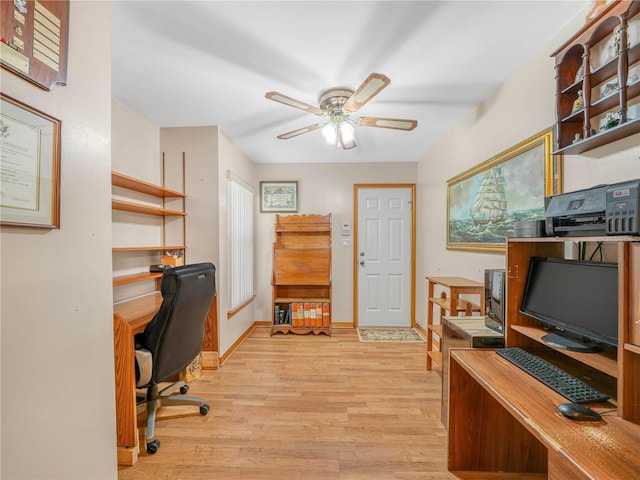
(384, 240)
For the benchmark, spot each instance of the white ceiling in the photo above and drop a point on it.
(195, 63)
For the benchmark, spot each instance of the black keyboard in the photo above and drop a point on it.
(565, 384)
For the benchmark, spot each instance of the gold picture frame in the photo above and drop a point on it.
(30, 166)
(484, 202)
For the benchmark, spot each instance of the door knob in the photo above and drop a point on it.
(362, 263)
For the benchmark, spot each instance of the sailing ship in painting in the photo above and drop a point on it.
(491, 215)
(490, 203)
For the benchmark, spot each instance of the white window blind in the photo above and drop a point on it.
(240, 226)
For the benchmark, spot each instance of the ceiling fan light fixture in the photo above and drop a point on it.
(347, 132)
(340, 133)
(330, 133)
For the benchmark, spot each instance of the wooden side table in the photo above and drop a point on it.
(451, 305)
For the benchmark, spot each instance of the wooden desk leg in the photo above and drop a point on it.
(453, 301)
(210, 358)
(126, 414)
(430, 293)
(560, 469)
(483, 436)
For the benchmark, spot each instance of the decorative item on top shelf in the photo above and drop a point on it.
(596, 8)
(611, 120)
(578, 104)
(174, 258)
(609, 89)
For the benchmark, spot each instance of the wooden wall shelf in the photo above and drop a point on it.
(149, 249)
(143, 209)
(136, 185)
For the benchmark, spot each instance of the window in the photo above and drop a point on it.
(240, 235)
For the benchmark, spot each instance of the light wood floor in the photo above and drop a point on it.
(311, 408)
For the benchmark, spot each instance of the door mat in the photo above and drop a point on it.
(381, 334)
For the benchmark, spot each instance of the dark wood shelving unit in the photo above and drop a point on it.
(607, 51)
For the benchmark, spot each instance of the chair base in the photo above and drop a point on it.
(157, 398)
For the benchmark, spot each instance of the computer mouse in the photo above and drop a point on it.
(576, 411)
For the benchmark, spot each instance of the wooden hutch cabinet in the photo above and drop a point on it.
(302, 274)
(598, 81)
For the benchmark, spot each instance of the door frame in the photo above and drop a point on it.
(356, 188)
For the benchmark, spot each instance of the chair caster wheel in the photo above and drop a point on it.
(184, 389)
(204, 409)
(152, 447)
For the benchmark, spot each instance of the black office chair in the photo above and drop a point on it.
(173, 339)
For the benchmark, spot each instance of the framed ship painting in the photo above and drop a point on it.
(484, 202)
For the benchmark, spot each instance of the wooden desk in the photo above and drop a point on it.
(129, 317)
(503, 420)
(454, 305)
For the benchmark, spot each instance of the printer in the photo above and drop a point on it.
(600, 210)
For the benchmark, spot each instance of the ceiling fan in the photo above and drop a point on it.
(339, 105)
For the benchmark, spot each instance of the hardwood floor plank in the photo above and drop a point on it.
(306, 407)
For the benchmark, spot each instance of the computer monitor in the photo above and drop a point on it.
(494, 299)
(577, 300)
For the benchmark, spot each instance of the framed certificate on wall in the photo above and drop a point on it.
(29, 166)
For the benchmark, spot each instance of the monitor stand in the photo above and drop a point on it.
(566, 343)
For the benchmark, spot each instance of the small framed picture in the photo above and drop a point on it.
(30, 165)
(279, 196)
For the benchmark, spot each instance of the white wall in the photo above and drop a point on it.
(322, 189)
(521, 107)
(58, 409)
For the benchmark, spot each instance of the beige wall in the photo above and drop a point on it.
(322, 189)
(521, 107)
(200, 148)
(58, 409)
(135, 152)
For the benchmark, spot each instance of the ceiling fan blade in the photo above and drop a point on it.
(365, 92)
(300, 131)
(395, 123)
(292, 102)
